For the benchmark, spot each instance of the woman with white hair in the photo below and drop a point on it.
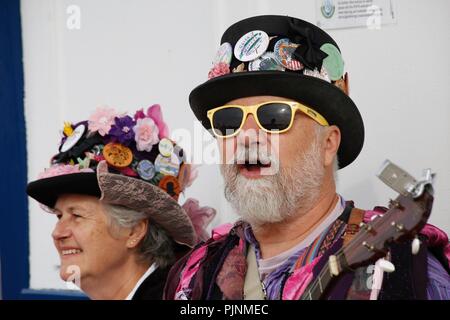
(114, 187)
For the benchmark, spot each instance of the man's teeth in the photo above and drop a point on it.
(71, 251)
(258, 162)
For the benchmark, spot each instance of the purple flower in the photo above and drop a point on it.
(122, 130)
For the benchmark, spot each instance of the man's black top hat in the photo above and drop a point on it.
(323, 96)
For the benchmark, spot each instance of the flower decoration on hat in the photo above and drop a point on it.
(102, 120)
(122, 130)
(135, 146)
(219, 69)
(146, 134)
(155, 113)
(68, 129)
(62, 169)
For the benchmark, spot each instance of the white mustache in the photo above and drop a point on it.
(252, 154)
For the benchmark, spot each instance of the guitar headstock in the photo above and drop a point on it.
(406, 216)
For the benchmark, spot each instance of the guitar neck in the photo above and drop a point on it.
(319, 285)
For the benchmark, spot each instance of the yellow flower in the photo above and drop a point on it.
(68, 130)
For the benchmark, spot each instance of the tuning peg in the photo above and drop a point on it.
(395, 204)
(368, 246)
(415, 246)
(397, 226)
(386, 265)
(375, 216)
(365, 226)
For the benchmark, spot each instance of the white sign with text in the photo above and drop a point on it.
(338, 14)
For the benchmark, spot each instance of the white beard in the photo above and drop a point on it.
(275, 198)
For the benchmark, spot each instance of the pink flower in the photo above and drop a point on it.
(219, 69)
(62, 169)
(139, 114)
(155, 113)
(102, 120)
(128, 172)
(146, 134)
(200, 217)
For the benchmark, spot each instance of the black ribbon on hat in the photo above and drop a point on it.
(85, 144)
(308, 52)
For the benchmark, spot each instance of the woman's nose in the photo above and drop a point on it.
(61, 230)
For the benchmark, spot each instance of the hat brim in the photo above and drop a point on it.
(332, 103)
(120, 190)
(46, 191)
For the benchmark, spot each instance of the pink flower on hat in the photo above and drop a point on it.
(219, 69)
(139, 114)
(155, 113)
(62, 169)
(146, 134)
(102, 120)
(128, 172)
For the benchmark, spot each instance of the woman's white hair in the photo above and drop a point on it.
(157, 246)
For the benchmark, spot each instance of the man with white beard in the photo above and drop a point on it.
(277, 102)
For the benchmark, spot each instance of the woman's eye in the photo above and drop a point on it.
(59, 216)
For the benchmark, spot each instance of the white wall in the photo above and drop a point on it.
(135, 53)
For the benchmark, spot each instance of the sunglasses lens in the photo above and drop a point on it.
(226, 121)
(275, 116)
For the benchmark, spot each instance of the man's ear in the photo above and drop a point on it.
(332, 140)
(137, 233)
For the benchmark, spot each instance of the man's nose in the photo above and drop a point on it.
(250, 123)
(249, 132)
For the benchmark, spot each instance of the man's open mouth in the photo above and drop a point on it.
(252, 166)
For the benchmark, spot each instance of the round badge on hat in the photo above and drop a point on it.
(117, 155)
(171, 185)
(333, 63)
(72, 140)
(224, 54)
(267, 61)
(251, 45)
(167, 166)
(146, 169)
(179, 152)
(284, 50)
(165, 147)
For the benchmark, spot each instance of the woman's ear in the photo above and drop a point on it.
(332, 140)
(137, 233)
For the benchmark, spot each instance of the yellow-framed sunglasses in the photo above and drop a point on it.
(271, 116)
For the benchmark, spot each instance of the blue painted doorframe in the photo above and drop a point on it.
(14, 239)
(13, 158)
